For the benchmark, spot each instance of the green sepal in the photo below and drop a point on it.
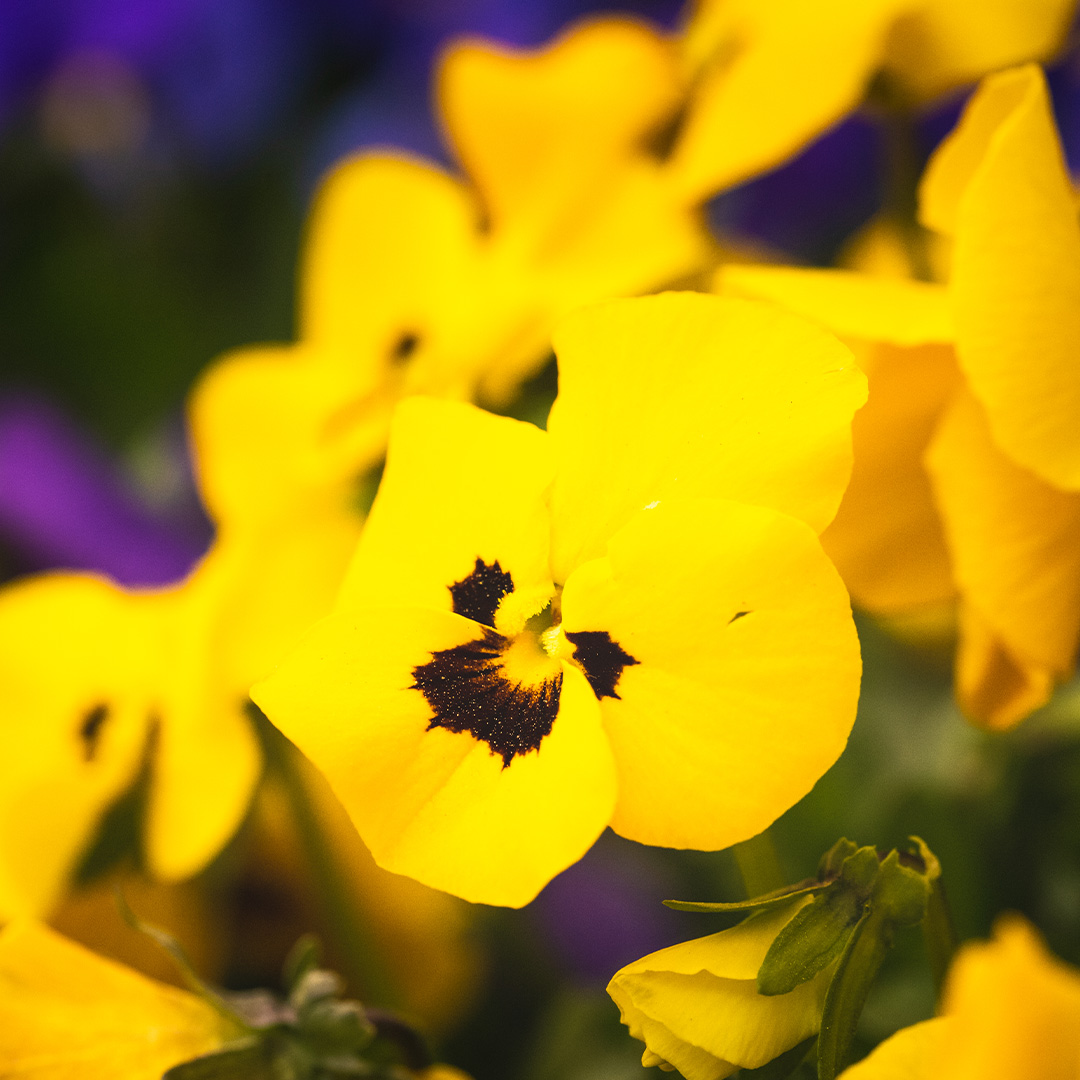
(764, 902)
(304, 956)
(242, 1062)
(899, 898)
(783, 1066)
(817, 934)
(833, 860)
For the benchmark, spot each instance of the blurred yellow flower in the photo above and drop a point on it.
(546, 632)
(977, 380)
(65, 1012)
(95, 679)
(770, 75)
(696, 1005)
(1010, 1009)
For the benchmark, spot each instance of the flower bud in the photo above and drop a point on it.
(697, 1008)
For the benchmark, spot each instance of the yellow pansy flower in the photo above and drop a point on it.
(95, 679)
(1010, 1009)
(697, 1009)
(773, 74)
(626, 619)
(64, 1012)
(977, 378)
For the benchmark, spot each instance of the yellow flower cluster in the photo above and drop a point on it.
(628, 618)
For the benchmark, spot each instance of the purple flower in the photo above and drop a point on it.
(63, 504)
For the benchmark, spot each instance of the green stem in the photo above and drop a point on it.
(363, 961)
(939, 934)
(848, 991)
(759, 865)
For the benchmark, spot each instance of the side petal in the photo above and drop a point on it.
(76, 663)
(1016, 286)
(435, 804)
(544, 133)
(886, 539)
(747, 672)
(460, 487)
(1015, 543)
(913, 1053)
(66, 1012)
(849, 304)
(678, 394)
(278, 429)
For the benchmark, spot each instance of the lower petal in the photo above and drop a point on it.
(747, 672)
(432, 803)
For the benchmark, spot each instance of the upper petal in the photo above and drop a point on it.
(437, 804)
(747, 667)
(687, 394)
(1001, 183)
(460, 486)
(545, 133)
(771, 77)
(942, 43)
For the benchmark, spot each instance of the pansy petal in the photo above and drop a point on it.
(910, 1054)
(675, 395)
(544, 133)
(437, 804)
(943, 44)
(1014, 1009)
(1015, 556)
(247, 605)
(696, 1004)
(461, 488)
(1016, 284)
(849, 304)
(771, 77)
(65, 1012)
(278, 429)
(386, 238)
(76, 663)
(995, 686)
(886, 538)
(746, 667)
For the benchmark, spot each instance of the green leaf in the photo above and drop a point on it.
(783, 1066)
(756, 903)
(900, 892)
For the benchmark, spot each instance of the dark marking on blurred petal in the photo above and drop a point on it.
(602, 659)
(477, 596)
(90, 729)
(404, 347)
(467, 690)
(737, 615)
